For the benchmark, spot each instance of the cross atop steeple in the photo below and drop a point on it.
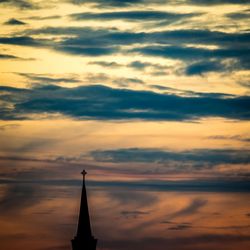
(84, 239)
(83, 173)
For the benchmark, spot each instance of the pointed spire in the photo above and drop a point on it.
(84, 239)
(84, 227)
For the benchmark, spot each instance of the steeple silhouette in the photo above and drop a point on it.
(84, 239)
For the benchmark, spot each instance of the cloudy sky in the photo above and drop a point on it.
(145, 95)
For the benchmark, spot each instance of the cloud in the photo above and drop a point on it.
(44, 17)
(212, 185)
(105, 103)
(233, 137)
(12, 57)
(106, 64)
(124, 82)
(97, 78)
(190, 242)
(192, 208)
(104, 37)
(21, 4)
(14, 21)
(18, 197)
(109, 3)
(180, 227)
(231, 52)
(87, 51)
(137, 199)
(6, 56)
(133, 214)
(217, 2)
(202, 60)
(44, 79)
(9, 126)
(239, 15)
(128, 3)
(202, 67)
(188, 225)
(22, 40)
(204, 157)
(217, 185)
(205, 57)
(133, 16)
(160, 87)
(140, 65)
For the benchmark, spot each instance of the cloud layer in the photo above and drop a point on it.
(230, 52)
(199, 157)
(101, 102)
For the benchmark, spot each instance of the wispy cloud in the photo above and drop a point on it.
(232, 137)
(127, 3)
(6, 56)
(14, 21)
(47, 79)
(217, 2)
(190, 209)
(230, 53)
(133, 214)
(176, 243)
(18, 197)
(199, 157)
(22, 4)
(9, 126)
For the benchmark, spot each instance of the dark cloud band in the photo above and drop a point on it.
(21, 4)
(99, 102)
(126, 3)
(183, 45)
(198, 157)
(133, 16)
(104, 103)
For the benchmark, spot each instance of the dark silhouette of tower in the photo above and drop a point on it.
(84, 239)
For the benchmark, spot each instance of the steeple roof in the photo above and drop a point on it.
(84, 239)
(84, 227)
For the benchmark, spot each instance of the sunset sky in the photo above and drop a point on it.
(150, 97)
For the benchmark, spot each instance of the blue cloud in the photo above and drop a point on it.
(127, 3)
(202, 67)
(106, 64)
(218, 2)
(19, 197)
(109, 3)
(133, 16)
(6, 56)
(169, 44)
(14, 21)
(87, 51)
(22, 40)
(106, 37)
(241, 15)
(22, 4)
(193, 53)
(100, 102)
(198, 157)
(221, 185)
(204, 60)
(44, 79)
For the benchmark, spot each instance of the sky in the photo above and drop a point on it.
(150, 97)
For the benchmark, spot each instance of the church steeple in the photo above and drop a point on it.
(84, 239)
